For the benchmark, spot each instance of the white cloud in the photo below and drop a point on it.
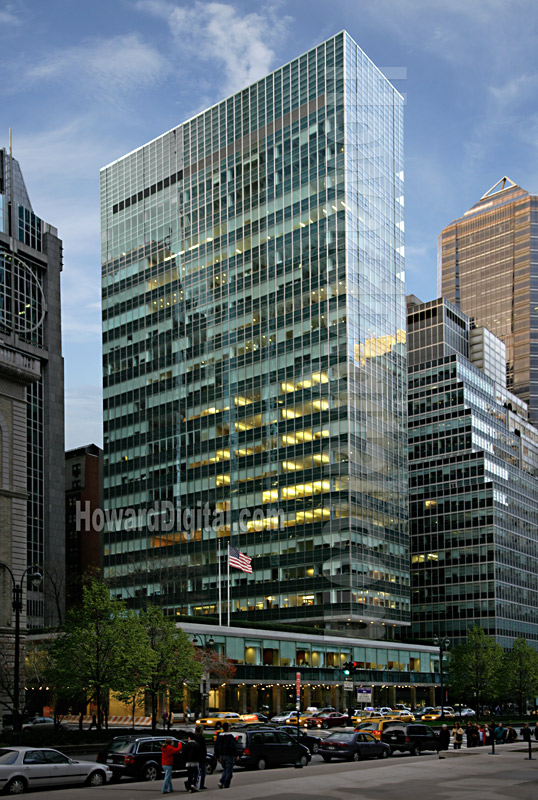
(483, 33)
(9, 15)
(107, 69)
(517, 90)
(244, 44)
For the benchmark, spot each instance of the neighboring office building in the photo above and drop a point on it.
(488, 266)
(266, 663)
(473, 466)
(30, 342)
(254, 349)
(83, 492)
(17, 372)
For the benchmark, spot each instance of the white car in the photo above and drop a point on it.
(283, 718)
(38, 721)
(466, 712)
(23, 768)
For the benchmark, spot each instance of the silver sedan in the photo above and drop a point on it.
(23, 768)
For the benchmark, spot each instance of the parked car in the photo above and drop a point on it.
(465, 712)
(412, 738)
(37, 722)
(308, 739)
(267, 748)
(353, 746)
(140, 757)
(23, 768)
(329, 719)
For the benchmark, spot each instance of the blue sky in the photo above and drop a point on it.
(86, 81)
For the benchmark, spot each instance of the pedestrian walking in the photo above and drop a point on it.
(165, 717)
(526, 732)
(226, 752)
(457, 736)
(499, 734)
(511, 734)
(487, 734)
(168, 752)
(192, 760)
(536, 731)
(199, 737)
(444, 738)
(468, 734)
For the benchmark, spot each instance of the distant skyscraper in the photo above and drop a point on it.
(473, 485)
(30, 341)
(83, 494)
(254, 349)
(488, 265)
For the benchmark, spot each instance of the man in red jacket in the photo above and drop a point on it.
(168, 753)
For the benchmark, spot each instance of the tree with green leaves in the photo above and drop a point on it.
(98, 648)
(520, 672)
(173, 663)
(475, 667)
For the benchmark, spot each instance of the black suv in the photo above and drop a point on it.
(140, 757)
(410, 737)
(269, 748)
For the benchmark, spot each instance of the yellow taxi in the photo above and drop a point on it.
(293, 720)
(366, 715)
(406, 716)
(436, 714)
(375, 725)
(216, 720)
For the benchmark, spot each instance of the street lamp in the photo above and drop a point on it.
(34, 573)
(443, 643)
(207, 642)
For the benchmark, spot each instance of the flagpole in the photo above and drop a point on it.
(220, 585)
(228, 584)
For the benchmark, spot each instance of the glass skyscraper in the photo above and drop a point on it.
(473, 483)
(488, 265)
(254, 351)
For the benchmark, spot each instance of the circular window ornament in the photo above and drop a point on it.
(22, 302)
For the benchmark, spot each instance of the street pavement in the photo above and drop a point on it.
(466, 775)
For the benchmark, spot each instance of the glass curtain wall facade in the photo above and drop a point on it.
(254, 350)
(488, 265)
(473, 494)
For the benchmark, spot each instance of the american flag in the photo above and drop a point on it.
(239, 560)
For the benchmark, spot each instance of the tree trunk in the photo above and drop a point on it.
(98, 703)
(153, 712)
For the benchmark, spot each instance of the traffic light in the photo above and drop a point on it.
(350, 667)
